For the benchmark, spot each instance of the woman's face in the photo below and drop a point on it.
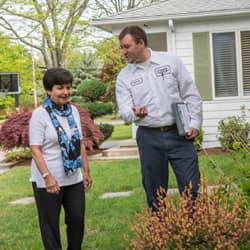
(60, 94)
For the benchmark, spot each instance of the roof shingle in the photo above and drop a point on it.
(178, 9)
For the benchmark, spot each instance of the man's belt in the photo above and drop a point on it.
(161, 129)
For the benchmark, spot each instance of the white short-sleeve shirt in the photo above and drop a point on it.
(42, 132)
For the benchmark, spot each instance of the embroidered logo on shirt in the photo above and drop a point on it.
(162, 71)
(136, 81)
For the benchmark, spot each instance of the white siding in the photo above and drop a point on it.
(214, 111)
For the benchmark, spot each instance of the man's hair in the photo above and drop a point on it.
(136, 32)
(56, 76)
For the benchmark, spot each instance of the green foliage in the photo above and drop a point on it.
(198, 140)
(91, 90)
(97, 108)
(7, 102)
(214, 220)
(106, 129)
(15, 58)
(241, 156)
(83, 66)
(233, 131)
(55, 26)
(113, 61)
(23, 154)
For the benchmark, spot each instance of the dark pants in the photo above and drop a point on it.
(156, 149)
(72, 198)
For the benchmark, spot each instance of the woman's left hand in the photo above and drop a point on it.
(87, 180)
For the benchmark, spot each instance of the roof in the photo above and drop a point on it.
(176, 9)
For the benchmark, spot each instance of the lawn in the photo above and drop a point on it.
(121, 131)
(106, 219)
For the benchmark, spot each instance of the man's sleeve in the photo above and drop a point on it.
(190, 95)
(124, 102)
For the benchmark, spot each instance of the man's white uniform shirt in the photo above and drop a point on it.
(157, 84)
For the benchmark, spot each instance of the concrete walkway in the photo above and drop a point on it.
(4, 167)
(116, 150)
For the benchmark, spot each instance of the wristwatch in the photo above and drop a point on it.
(44, 175)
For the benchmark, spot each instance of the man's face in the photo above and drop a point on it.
(131, 50)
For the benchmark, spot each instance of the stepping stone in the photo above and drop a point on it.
(24, 201)
(115, 194)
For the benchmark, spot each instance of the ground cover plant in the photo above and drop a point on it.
(107, 220)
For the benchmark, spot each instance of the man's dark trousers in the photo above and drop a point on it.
(156, 149)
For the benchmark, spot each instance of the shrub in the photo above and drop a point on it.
(15, 130)
(198, 140)
(23, 154)
(91, 90)
(92, 135)
(107, 129)
(234, 130)
(98, 108)
(216, 221)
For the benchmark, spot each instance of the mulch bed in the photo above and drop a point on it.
(212, 151)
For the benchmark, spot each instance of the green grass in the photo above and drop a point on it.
(121, 131)
(106, 220)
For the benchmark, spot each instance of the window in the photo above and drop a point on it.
(226, 64)
(9, 83)
(225, 68)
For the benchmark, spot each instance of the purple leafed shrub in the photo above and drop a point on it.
(15, 130)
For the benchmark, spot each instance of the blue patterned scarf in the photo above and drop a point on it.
(70, 147)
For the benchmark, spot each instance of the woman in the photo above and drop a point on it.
(58, 152)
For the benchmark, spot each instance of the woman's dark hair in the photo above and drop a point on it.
(136, 32)
(56, 76)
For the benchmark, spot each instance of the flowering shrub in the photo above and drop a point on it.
(215, 221)
(15, 130)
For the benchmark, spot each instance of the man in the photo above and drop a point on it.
(146, 90)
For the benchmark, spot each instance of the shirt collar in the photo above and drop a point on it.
(153, 60)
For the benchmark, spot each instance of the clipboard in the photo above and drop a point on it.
(182, 117)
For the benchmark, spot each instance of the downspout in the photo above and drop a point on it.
(172, 29)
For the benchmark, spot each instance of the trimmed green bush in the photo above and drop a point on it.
(106, 129)
(91, 90)
(98, 108)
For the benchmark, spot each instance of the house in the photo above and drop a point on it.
(213, 39)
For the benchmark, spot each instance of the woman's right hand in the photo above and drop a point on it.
(52, 186)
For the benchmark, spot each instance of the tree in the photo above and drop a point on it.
(113, 61)
(46, 25)
(85, 65)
